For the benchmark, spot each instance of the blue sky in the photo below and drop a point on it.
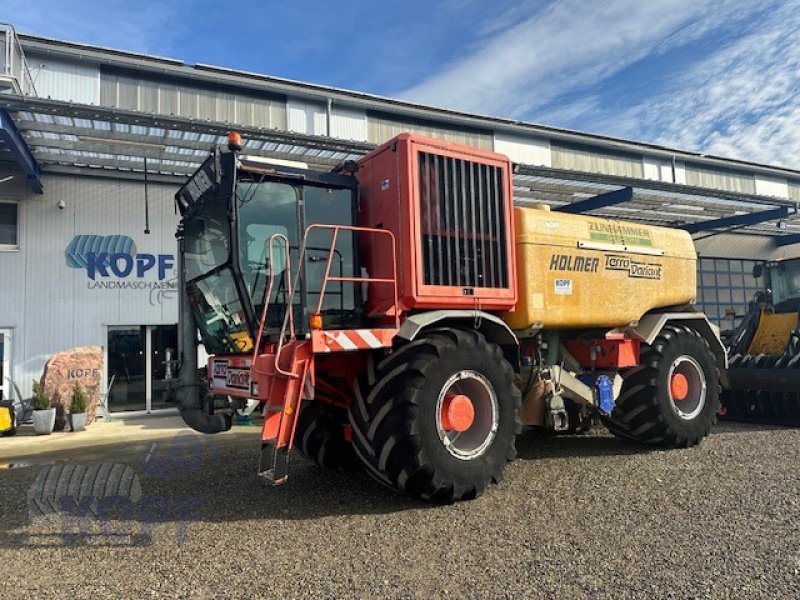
(721, 77)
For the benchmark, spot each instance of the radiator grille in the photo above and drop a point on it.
(462, 222)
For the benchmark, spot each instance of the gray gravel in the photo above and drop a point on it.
(575, 516)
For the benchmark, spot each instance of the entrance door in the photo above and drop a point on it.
(127, 364)
(143, 361)
(163, 370)
(6, 390)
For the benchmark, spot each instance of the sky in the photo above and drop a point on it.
(720, 77)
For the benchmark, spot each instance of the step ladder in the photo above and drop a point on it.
(291, 384)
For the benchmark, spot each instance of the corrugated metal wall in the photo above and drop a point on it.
(66, 81)
(51, 306)
(771, 186)
(589, 160)
(306, 117)
(348, 123)
(659, 170)
(794, 190)
(522, 149)
(165, 97)
(720, 179)
(382, 127)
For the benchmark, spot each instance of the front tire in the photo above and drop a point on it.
(405, 433)
(319, 437)
(671, 399)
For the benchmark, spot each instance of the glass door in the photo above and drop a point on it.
(142, 359)
(164, 365)
(128, 366)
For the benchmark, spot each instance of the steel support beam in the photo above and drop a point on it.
(739, 220)
(609, 199)
(20, 150)
(787, 240)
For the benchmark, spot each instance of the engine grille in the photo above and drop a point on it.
(462, 223)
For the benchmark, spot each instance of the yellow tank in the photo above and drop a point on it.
(576, 271)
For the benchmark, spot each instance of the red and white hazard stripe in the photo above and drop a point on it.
(352, 339)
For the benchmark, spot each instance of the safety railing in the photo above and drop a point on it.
(287, 273)
(302, 255)
(379, 280)
(14, 66)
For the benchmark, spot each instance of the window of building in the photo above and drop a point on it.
(723, 284)
(9, 226)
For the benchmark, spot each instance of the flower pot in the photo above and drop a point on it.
(77, 421)
(44, 421)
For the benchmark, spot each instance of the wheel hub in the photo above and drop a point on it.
(458, 414)
(679, 387)
(467, 414)
(687, 387)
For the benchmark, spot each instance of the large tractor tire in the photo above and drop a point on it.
(671, 399)
(320, 438)
(439, 417)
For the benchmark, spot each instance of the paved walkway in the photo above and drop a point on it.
(28, 448)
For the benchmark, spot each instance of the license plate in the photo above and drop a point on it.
(225, 375)
(237, 378)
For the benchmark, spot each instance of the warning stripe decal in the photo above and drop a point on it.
(352, 339)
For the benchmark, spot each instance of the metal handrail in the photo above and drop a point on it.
(289, 289)
(15, 64)
(301, 258)
(379, 280)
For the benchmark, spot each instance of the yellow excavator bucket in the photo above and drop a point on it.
(773, 333)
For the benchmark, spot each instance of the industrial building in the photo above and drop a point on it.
(94, 142)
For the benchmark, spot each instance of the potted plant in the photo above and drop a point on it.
(44, 417)
(77, 409)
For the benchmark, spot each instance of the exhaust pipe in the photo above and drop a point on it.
(188, 395)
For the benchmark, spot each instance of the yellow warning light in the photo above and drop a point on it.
(316, 321)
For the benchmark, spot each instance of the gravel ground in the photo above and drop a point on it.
(575, 516)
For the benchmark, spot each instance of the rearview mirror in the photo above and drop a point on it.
(758, 270)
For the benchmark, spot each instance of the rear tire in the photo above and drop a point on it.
(320, 438)
(399, 433)
(655, 409)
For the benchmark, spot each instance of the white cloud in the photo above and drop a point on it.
(525, 63)
(742, 101)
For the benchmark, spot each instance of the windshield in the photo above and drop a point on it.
(268, 209)
(785, 281)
